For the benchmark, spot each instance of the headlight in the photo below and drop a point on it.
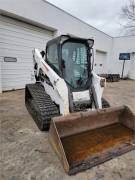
(90, 42)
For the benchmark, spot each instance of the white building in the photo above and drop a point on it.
(25, 25)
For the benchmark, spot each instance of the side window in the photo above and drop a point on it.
(52, 56)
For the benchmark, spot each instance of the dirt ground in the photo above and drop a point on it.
(27, 155)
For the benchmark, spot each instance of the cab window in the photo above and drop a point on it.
(52, 57)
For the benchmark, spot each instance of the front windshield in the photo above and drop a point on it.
(75, 64)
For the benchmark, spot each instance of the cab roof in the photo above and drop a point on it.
(62, 38)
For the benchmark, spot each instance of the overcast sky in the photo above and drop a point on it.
(102, 14)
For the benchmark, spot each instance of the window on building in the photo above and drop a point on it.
(10, 59)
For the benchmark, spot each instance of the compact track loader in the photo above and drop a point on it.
(84, 130)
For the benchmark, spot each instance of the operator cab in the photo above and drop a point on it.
(70, 57)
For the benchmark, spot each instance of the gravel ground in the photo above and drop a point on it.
(27, 155)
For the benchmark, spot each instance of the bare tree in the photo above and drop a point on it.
(128, 14)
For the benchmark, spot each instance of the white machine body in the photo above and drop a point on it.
(58, 90)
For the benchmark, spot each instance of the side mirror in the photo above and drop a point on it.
(42, 54)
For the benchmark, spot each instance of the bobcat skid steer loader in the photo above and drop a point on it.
(84, 130)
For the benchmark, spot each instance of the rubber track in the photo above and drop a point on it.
(40, 105)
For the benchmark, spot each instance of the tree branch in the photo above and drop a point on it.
(128, 13)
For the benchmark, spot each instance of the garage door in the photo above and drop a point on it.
(17, 40)
(100, 61)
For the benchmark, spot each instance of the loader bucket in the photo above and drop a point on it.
(85, 139)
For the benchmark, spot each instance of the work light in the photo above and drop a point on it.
(91, 42)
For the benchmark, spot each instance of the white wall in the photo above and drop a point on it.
(46, 15)
(50, 16)
(0, 77)
(131, 73)
(122, 45)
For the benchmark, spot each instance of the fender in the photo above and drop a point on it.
(59, 91)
